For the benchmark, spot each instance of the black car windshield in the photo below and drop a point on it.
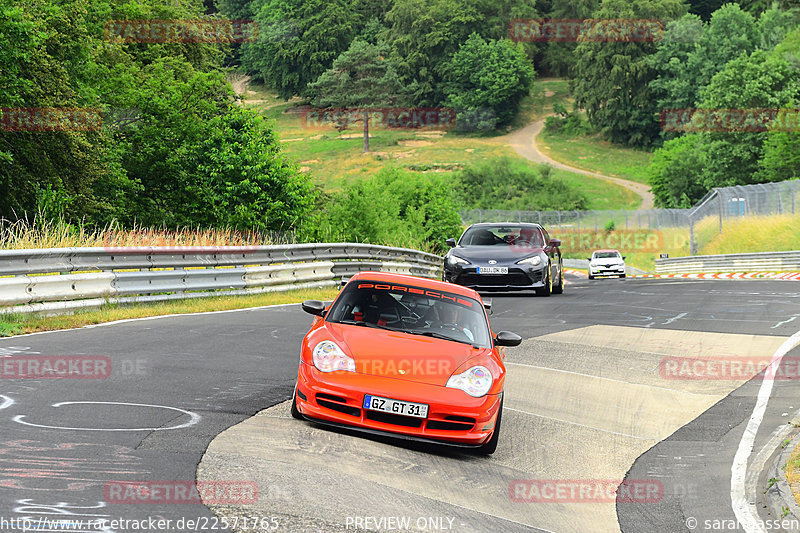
(606, 255)
(413, 310)
(502, 235)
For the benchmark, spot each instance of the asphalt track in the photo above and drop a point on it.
(587, 399)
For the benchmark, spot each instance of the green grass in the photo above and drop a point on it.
(774, 233)
(600, 194)
(597, 155)
(19, 323)
(334, 158)
(545, 92)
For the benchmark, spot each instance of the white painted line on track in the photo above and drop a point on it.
(7, 402)
(745, 511)
(656, 439)
(92, 326)
(603, 378)
(194, 418)
(676, 317)
(784, 322)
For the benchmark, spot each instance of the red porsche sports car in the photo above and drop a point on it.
(405, 356)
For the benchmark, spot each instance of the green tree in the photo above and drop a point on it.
(557, 58)
(676, 84)
(298, 41)
(612, 78)
(760, 80)
(781, 159)
(360, 78)
(493, 74)
(425, 34)
(675, 172)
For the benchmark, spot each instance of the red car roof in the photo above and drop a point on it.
(418, 282)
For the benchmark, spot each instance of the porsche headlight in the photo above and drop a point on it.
(328, 357)
(476, 381)
(532, 261)
(453, 260)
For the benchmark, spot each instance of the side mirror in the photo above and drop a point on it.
(313, 307)
(506, 338)
(555, 242)
(487, 304)
(343, 282)
(451, 243)
(588, 258)
(623, 258)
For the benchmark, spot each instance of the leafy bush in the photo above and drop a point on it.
(395, 207)
(567, 123)
(505, 184)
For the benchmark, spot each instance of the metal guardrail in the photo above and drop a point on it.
(755, 262)
(60, 279)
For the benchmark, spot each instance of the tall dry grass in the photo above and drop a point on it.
(48, 233)
(774, 233)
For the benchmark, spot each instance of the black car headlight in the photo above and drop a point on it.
(453, 260)
(534, 260)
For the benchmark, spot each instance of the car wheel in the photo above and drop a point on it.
(491, 444)
(295, 412)
(559, 289)
(548, 284)
(591, 277)
(621, 276)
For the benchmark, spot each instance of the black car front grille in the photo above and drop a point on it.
(487, 280)
(324, 400)
(449, 426)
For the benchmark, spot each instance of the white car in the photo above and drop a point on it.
(606, 263)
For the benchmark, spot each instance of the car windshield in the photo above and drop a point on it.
(606, 255)
(502, 235)
(412, 310)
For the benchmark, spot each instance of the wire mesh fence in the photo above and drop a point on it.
(702, 221)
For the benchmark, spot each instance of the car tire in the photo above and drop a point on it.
(491, 445)
(548, 284)
(295, 412)
(591, 277)
(621, 276)
(559, 289)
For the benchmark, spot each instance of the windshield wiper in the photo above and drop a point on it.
(437, 335)
(368, 325)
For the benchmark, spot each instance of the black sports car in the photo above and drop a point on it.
(505, 257)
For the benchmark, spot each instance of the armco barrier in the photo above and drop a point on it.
(61, 279)
(756, 262)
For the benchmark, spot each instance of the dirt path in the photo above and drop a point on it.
(524, 143)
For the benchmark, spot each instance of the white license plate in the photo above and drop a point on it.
(387, 405)
(492, 270)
